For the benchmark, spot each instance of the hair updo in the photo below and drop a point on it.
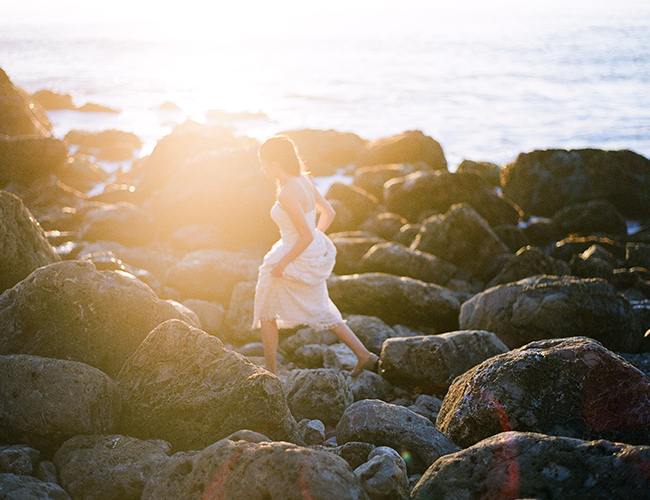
(282, 150)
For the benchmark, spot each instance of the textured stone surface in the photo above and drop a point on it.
(23, 245)
(360, 202)
(567, 387)
(17, 487)
(45, 401)
(19, 459)
(544, 307)
(369, 385)
(526, 465)
(20, 114)
(592, 217)
(384, 424)
(241, 470)
(69, 310)
(395, 300)
(321, 394)
(110, 467)
(384, 475)
(182, 385)
(410, 147)
(432, 362)
(529, 261)
(372, 331)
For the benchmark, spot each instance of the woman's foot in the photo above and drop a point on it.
(364, 363)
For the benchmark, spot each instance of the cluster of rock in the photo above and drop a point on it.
(512, 348)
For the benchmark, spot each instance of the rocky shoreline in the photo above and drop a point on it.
(509, 306)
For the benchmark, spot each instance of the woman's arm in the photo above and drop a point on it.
(292, 206)
(327, 213)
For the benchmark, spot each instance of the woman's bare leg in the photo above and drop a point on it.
(364, 357)
(270, 341)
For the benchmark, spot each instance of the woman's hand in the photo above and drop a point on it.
(277, 270)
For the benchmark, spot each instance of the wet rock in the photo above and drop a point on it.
(547, 307)
(432, 362)
(592, 217)
(69, 310)
(121, 222)
(18, 459)
(211, 314)
(24, 245)
(20, 114)
(384, 424)
(242, 470)
(395, 300)
(211, 274)
(25, 159)
(385, 225)
(369, 385)
(529, 261)
(111, 467)
(326, 151)
(489, 171)
(461, 237)
(321, 394)
(528, 465)
(410, 147)
(182, 385)
(371, 331)
(14, 486)
(361, 203)
(570, 387)
(44, 402)
(396, 259)
(543, 182)
(384, 475)
(422, 193)
(513, 236)
(350, 250)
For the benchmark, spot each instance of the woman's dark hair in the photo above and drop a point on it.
(282, 149)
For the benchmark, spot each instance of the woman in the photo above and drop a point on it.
(291, 287)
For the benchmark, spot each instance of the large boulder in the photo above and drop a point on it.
(182, 385)
(321, 394)
(19, 114)
(393, 258)
(461, 237)
(111, 467)
(383, 424)
(543, 182)
(69, 310)
(435, 192)
(326, 151)
(23, 244)
(529, 261)
(223, 189)
(527, 465)
(592, 217)
(19, 487)
(371, 331)
(44, 402)
(410, 147)
(396, 300)
(350, 248)
(547, 307)
(25, 159)
(360, 202)
(432, 362)
(242, 470)
(570, 387)
(372, 179)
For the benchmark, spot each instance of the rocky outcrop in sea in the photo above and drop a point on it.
(509, 306)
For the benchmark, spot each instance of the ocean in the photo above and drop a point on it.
(486, 81)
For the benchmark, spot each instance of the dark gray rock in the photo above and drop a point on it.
(19, 459)
(529, 261)
(427, 406)
(384, 424)
(69, 310)
(350, 249)
(17, 487)
(489, 171)
(513, 236)
(396, 259)
(111, 467)
(637, 255)
(384, 475)
(461, 237)
(592, 217)
(182, 385)
(570, 387)
(372, 179)
(321, 394)
(372, 331)
(369, 385)
(396, 300)
(543, 182)
(384, 224)
(431, 362)
(311, 432)
(22, 240)
(241, 470)
(44, 402)
(527, 465)
(546, 307)
(411, 146)
(361, 203)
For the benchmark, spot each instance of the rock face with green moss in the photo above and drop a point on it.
(182, 385)
(567, 387)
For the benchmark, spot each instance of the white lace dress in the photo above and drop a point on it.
(300, 296)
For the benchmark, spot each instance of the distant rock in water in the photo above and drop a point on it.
(19, 113)
(543, 182)
(90, 107)
(53, 101)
